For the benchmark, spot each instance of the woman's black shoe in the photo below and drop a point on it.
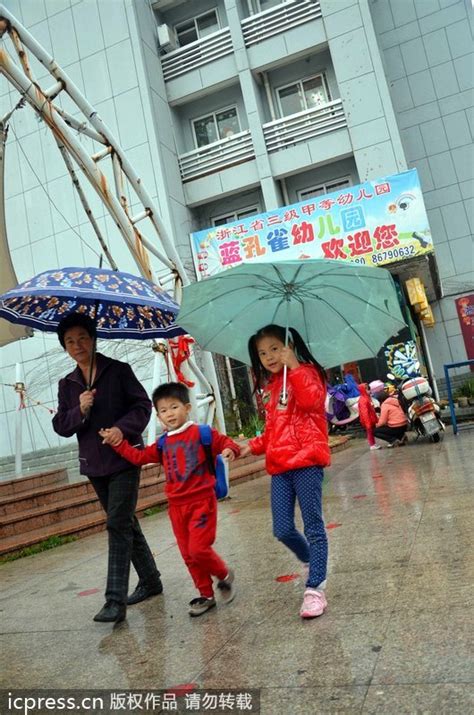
(145, 590)
(112, 612)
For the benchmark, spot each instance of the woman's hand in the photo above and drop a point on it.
(229, 454)
(112, 436)
(86, 400)
(288, 357)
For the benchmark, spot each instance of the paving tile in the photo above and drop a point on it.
(395, 637)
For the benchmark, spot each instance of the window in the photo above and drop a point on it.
(261, 5)
(235, 216)
(215, 126)
(305, 94)
(197, 27)
(328, 188)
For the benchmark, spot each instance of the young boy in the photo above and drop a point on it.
(190, 490)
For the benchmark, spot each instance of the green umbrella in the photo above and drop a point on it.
(344, 311)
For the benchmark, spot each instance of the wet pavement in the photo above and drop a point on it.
(397, 636)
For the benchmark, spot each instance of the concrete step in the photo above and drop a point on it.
(50, 514)
(79, 526)
(57, 494)
(74, 511)
(33, 481)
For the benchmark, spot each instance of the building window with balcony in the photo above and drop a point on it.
(304, 94)
(235, 216)
(327, 188)
(197, 27)
(216, 126)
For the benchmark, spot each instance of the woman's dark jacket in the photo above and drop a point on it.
(120, 401)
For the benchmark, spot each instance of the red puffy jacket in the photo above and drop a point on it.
(296, 436)
(367, 414)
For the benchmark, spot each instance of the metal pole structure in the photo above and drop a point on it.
(233, 393)
(64, 128)
(155, 379)
(19, 388)
(429, 363)
(454, 423)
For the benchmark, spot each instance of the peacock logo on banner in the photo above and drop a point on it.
(375, 223)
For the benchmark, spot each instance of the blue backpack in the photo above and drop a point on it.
(219, 468)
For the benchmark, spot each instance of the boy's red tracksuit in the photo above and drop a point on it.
(191, 497)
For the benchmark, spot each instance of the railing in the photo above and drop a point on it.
(303, 126)
(196, 54)
(216, 156)
(279, 19)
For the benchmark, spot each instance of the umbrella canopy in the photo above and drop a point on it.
(344, 311)
(122, 305)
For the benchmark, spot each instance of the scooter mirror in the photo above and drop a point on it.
(390, 376)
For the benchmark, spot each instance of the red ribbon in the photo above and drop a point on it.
(180, 352)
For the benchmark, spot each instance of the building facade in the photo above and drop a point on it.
(229, 108)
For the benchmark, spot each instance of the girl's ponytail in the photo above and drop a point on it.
(277, 331)
(303, 353)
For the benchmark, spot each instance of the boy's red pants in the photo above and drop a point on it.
(194, 526)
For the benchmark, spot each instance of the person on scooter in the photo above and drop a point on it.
(393, 422)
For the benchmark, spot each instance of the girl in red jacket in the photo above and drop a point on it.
(295, 442)
(367, 415)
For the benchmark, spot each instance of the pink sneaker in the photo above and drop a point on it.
(314, 603)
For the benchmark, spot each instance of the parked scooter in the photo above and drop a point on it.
(423, 411)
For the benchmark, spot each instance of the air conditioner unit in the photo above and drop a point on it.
(166, 38)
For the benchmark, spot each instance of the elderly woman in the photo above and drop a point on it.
(113, 397)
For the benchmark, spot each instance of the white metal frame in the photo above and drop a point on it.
(261, 26)
(236, 214)
(217, 156)
(300, 82)
(65, 128)
(303, 126)
(326, 186)
(259, 8)
(213, 115)
(194, 18)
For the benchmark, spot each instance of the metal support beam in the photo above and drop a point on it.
(126, 180)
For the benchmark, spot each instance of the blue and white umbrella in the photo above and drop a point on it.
(122, 305)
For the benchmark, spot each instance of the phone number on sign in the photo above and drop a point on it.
(402, 252)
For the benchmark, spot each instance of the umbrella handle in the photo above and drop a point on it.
(94, 347)
(284, 395)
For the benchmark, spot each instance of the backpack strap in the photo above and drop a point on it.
(205, 436)
(161, 442)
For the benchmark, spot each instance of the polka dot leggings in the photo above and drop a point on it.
(306, 485)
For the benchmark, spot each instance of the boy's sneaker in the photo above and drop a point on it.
(200, 605)
(314, 603)
(375, 446)
(227, 588)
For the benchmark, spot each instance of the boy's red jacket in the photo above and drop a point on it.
(188, 477)
(296, 436)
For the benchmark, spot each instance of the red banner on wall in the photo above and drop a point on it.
(465, 308)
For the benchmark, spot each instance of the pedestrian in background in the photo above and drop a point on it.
(367, 415)
(392, 423)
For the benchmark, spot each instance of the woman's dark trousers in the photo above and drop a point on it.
(118, 494)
